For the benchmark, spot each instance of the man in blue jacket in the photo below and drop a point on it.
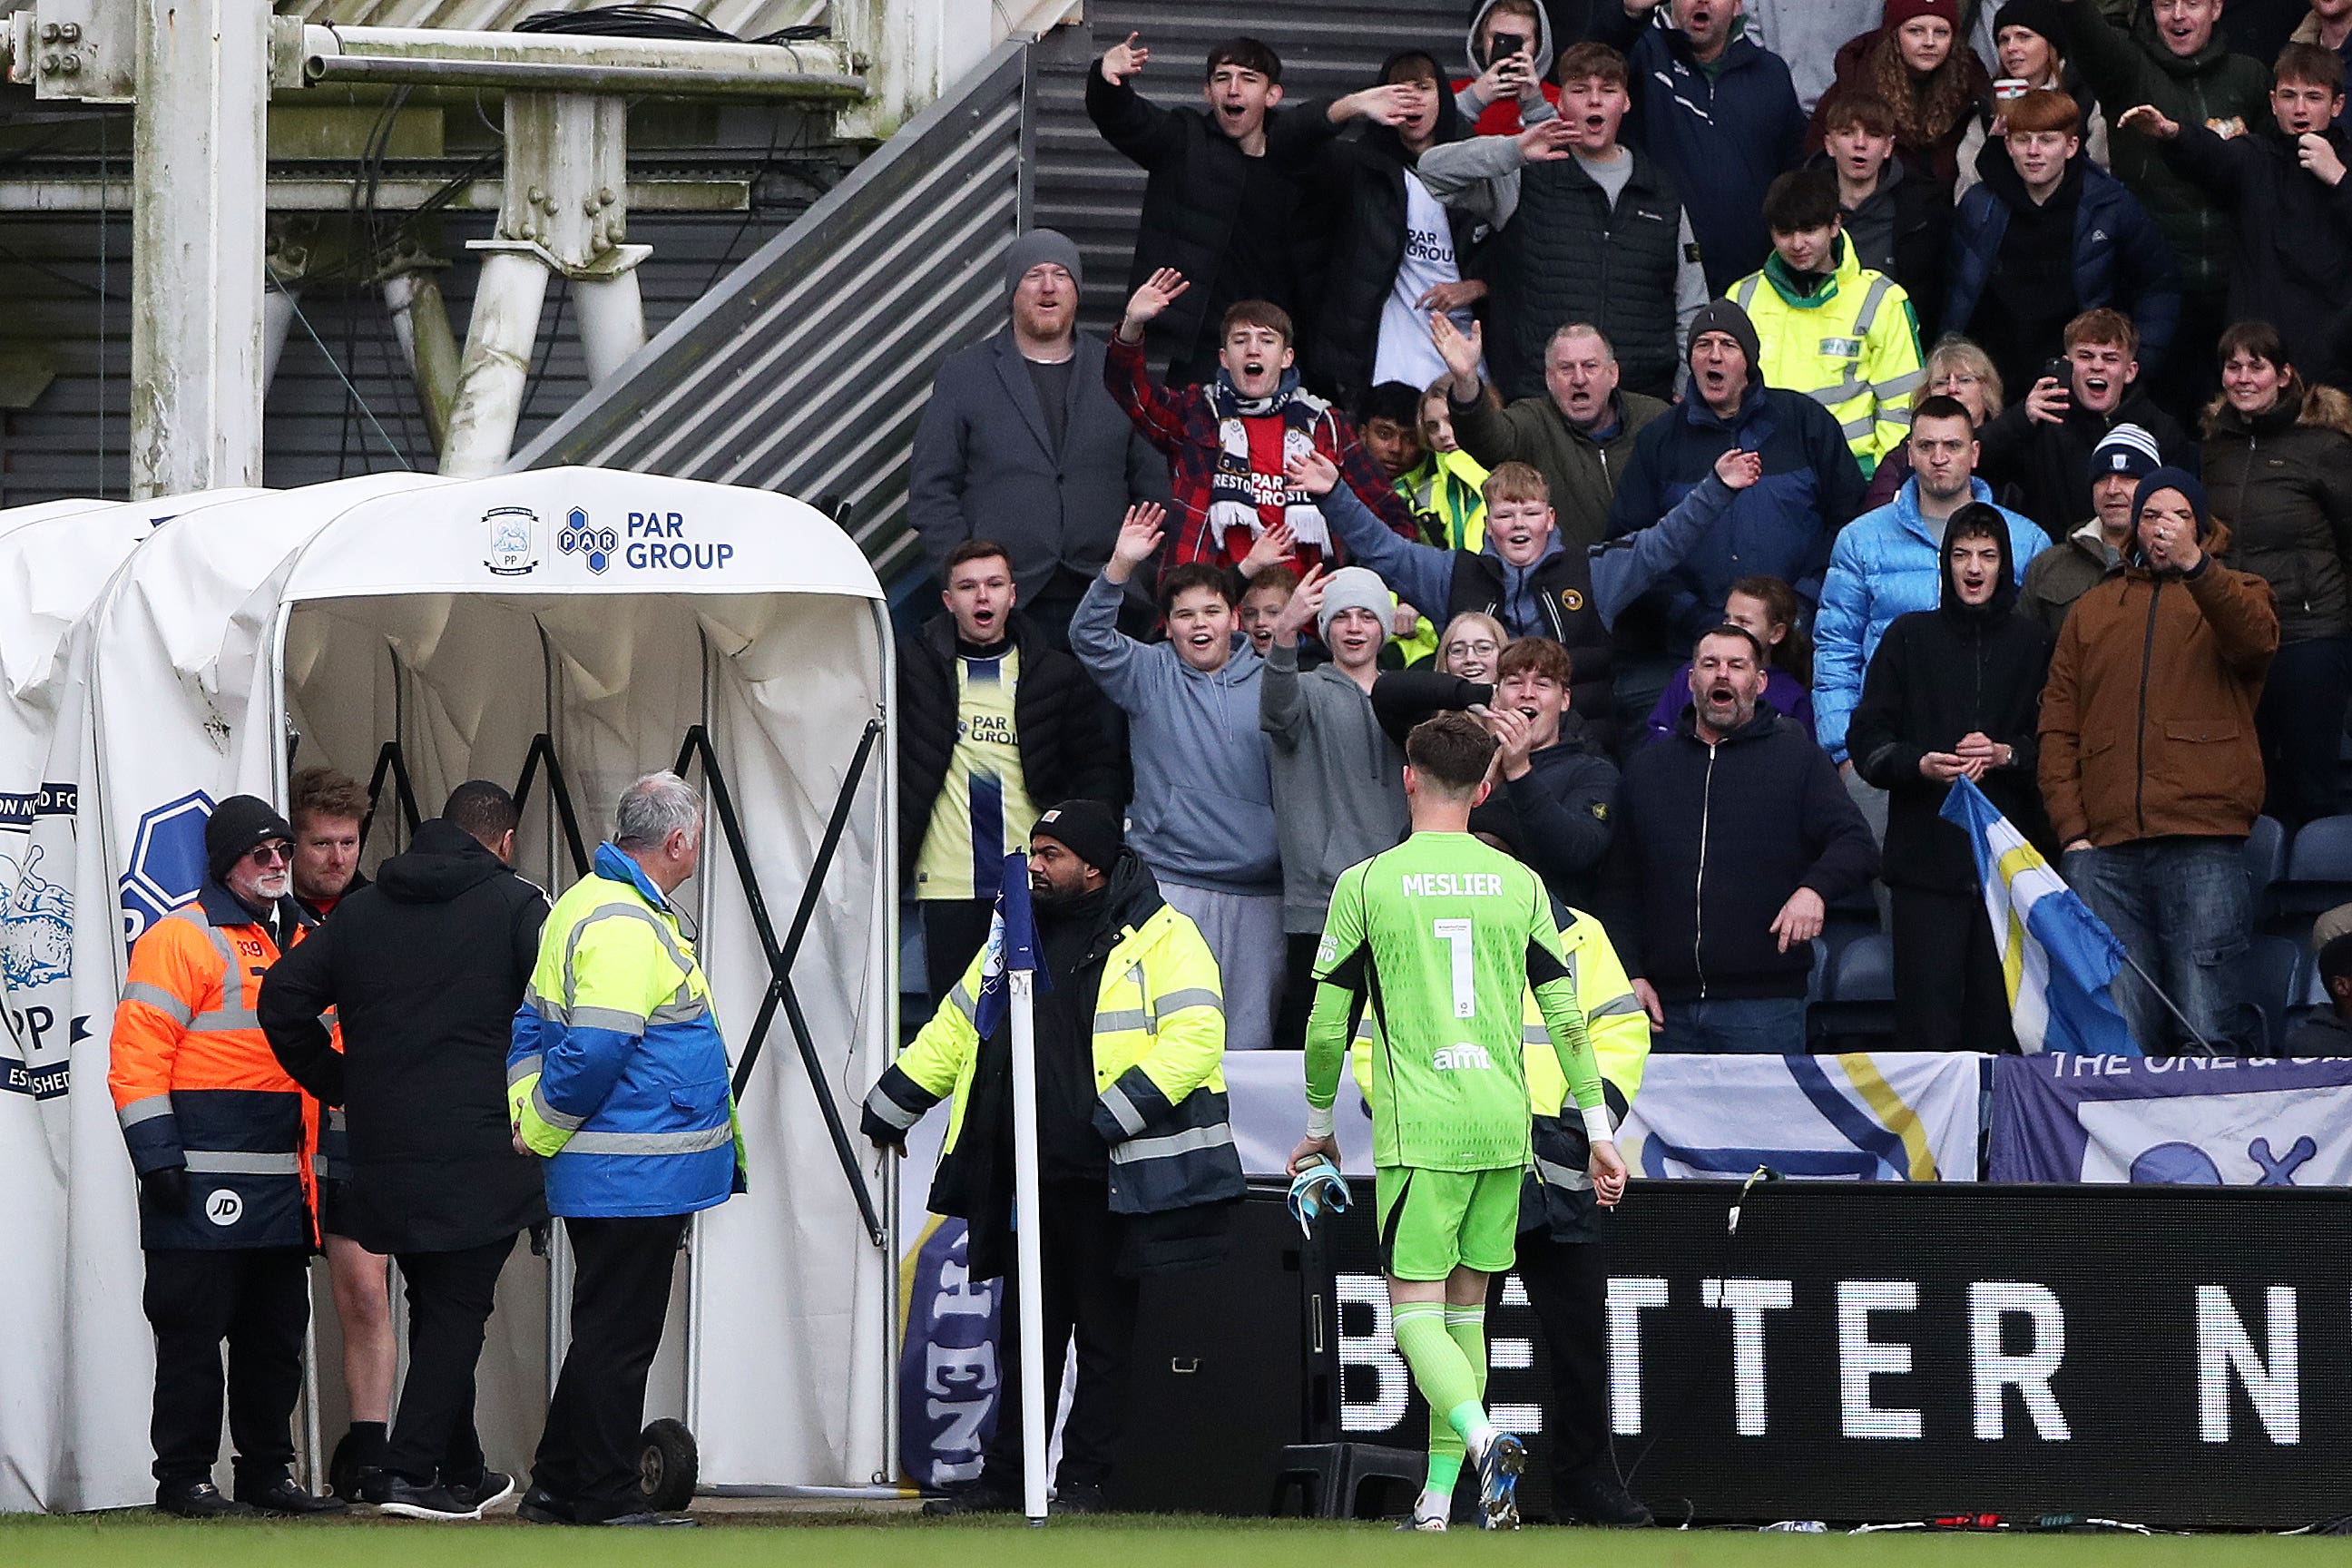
(617, 1077)
(1715, 107)
(1807, 487)
(1889, 563)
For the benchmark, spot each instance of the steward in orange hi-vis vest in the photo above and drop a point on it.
(221, 1139)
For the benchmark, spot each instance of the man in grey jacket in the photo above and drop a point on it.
(1339, 778)
(1022, 444)
(1204, 813)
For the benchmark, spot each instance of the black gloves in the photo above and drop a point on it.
(166, 1189)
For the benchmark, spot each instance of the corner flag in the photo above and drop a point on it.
(1012, 944)
(2056, 958)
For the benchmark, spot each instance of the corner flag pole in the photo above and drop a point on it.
(1029, 1252)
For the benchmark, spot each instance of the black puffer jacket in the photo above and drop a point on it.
(2282, 481)
(1059, 719)
(1710, 841)
(2048, 467)
(1191, 205)
(1940, 675)
(425, 971)
(1359, 182)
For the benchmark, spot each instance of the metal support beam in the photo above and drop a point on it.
(496, 367)
(420, 319)
(197, 212)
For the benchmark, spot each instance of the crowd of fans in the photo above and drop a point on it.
(1756, 453)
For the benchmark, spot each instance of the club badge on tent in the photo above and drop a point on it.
(514, 541)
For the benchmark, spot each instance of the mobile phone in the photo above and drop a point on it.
(2061, 370)
(1504, 44)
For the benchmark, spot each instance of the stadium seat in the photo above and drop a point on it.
(2275, 982)
(2318, 868)
(1856, 1012)
(1854, 916)
(2311, 1000)
(2265, 861)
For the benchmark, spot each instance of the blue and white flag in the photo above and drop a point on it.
(2056, 958)
(1012, 944)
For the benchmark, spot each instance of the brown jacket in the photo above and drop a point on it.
(2147, 723)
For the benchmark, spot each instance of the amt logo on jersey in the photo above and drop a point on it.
(1463, 1058)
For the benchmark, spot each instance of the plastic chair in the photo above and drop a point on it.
(2274, 982)
(2265, 861)
(1856, 1012)
(1333, 1475)
(2318, 869)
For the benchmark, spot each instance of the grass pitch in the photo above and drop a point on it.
(141, 1540)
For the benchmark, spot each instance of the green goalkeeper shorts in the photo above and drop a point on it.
(1433, 1222)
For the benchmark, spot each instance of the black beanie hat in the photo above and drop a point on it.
(1088, 829)
(236, 825)
(1723, 316)
(2043, 16)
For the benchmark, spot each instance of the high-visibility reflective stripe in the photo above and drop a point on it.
(685, 1012)
(1897, 385)
(1190, 996)
(146, 1109)
(1122, 1020)
(619, 1020)
(963, 1002)
(1167, 1145)
(650, 1142)
(335, 1119)
(1871, 300)
(232, 972)
(223, 1163)
(1533, 1034)
(1854, 429)
(885, 1109)
(616, 912)
(546, 1007)
(1558, 1175)
(1617, 1007)
(1743, 293)
(228, 1020)
(549, 1114)
(155, 996)
(522, 1068)
(1122, 1110)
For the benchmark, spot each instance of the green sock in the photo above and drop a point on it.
(1440, 1369)
(1466, 1326)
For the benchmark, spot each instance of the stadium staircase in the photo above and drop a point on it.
(805, 369)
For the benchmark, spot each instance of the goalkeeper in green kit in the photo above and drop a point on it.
(1439, 938)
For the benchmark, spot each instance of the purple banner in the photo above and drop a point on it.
(948, 1370)
(2266, 1122)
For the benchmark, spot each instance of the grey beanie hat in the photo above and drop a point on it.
(1042, 244)
(1354, 588)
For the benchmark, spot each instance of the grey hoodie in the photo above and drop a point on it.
(1204, 810)
(1338, 776)
(1808, 34)
(1468, 104)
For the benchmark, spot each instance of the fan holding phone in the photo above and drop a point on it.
(1510, 53)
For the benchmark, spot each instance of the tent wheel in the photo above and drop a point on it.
(666, 1463)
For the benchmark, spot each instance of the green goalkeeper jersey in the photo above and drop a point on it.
(1439, 938)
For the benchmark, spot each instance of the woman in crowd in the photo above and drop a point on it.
(2278, 464)
(1916, 63)
(1767, 607)
(2029, 37)
(1462, 675)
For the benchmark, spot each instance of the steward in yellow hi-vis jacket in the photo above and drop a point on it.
(221, 1138)
(1846, 336)
(1560, 1261)
(1136, 1156)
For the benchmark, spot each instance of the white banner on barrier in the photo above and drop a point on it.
(1881, 1116)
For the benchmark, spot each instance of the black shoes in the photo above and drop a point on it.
(198, 1500)
(284, 1498)
(486, 1490)
(983, 1495)
(539, 1506)
(402, 1498)
(1596, 1496)
(1080, 1499)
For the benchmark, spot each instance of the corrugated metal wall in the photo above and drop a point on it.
(1093, 194)
(806, 372)
(73, 439)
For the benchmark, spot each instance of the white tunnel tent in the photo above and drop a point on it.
(565, 630)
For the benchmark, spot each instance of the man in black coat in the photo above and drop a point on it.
(1954, 692)
(1022, 443)
(992, 721)
(1217, 208)
(2042, 445)
(1733, 836)
(424, 970)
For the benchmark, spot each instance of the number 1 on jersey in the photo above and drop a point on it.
(1455, 934)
